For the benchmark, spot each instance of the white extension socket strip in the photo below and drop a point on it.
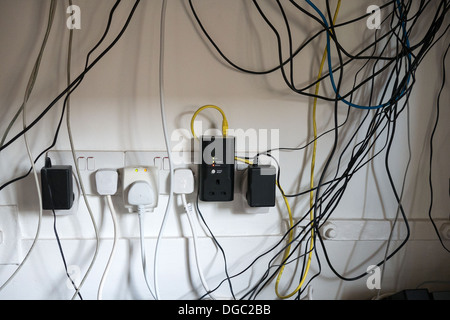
(160, 160)
(88, 163)
(345, 230)
(91, 161)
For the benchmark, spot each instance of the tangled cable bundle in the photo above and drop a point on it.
(389, 62)
(373, 85)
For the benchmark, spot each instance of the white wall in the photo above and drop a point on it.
(116, 108)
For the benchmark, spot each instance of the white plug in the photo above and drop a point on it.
(106, 181)
(183, 181)
(140, 188)
(141, 195)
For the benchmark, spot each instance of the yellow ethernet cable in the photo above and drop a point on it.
(224, 122)
(311, 194)
(243, 160)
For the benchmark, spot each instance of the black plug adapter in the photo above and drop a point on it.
(57, 187)
(216, 174)
(261, 186)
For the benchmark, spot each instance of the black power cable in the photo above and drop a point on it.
(74, 85)
(55, 230)
(438, 107)
(75, 82)
(391, 71)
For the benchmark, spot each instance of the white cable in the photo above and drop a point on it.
(189, 212)
(166, 138)
(38, 189)
(383, 268)
(34, 73)
(113, 250)
(83, 191)
(143, 257)
(140, 195)
(28, 91)
(80, 180)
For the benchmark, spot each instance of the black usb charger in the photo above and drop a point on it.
(261, 181)
(57, 186)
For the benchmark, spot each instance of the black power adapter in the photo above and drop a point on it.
(57, 187)
(261, 181)
(216, 174)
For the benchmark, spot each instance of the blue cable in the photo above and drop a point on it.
(331, 69)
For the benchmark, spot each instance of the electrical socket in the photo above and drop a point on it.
(88, 163)
(159, 160)
(216, 172)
